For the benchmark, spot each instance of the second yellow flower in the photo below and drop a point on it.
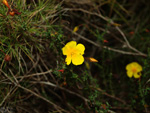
(74, 53)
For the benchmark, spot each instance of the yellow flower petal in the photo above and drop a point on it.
(92, 59)
(80, 48)
(68, 60)
(64, 50)
(128, 67)
(139, 68)
(87, 65)
(136, 75)
(130, 74)
(76, 29)
(77, 59)
(71, 44)
(68, 46)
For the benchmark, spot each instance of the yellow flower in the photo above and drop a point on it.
(74, 53)
(134, 69)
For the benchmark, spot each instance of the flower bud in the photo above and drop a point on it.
(6, 3)
(7, 58)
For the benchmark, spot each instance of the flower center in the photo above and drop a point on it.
(134, 70)
(73, 52)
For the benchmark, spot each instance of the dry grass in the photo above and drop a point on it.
(114, 32)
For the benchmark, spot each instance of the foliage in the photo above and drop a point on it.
(34, 76)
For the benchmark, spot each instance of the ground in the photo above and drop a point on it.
(34, 75)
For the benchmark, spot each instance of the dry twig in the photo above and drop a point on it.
(105, 47)
(111, 22)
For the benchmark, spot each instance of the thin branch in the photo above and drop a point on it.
(85, 11)
(30, 91)
(105, 47)
(111, 96)
(39, 96)
(111, 22)
(128, 44)
(6, 97)
(35, 74)
(56, 86)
